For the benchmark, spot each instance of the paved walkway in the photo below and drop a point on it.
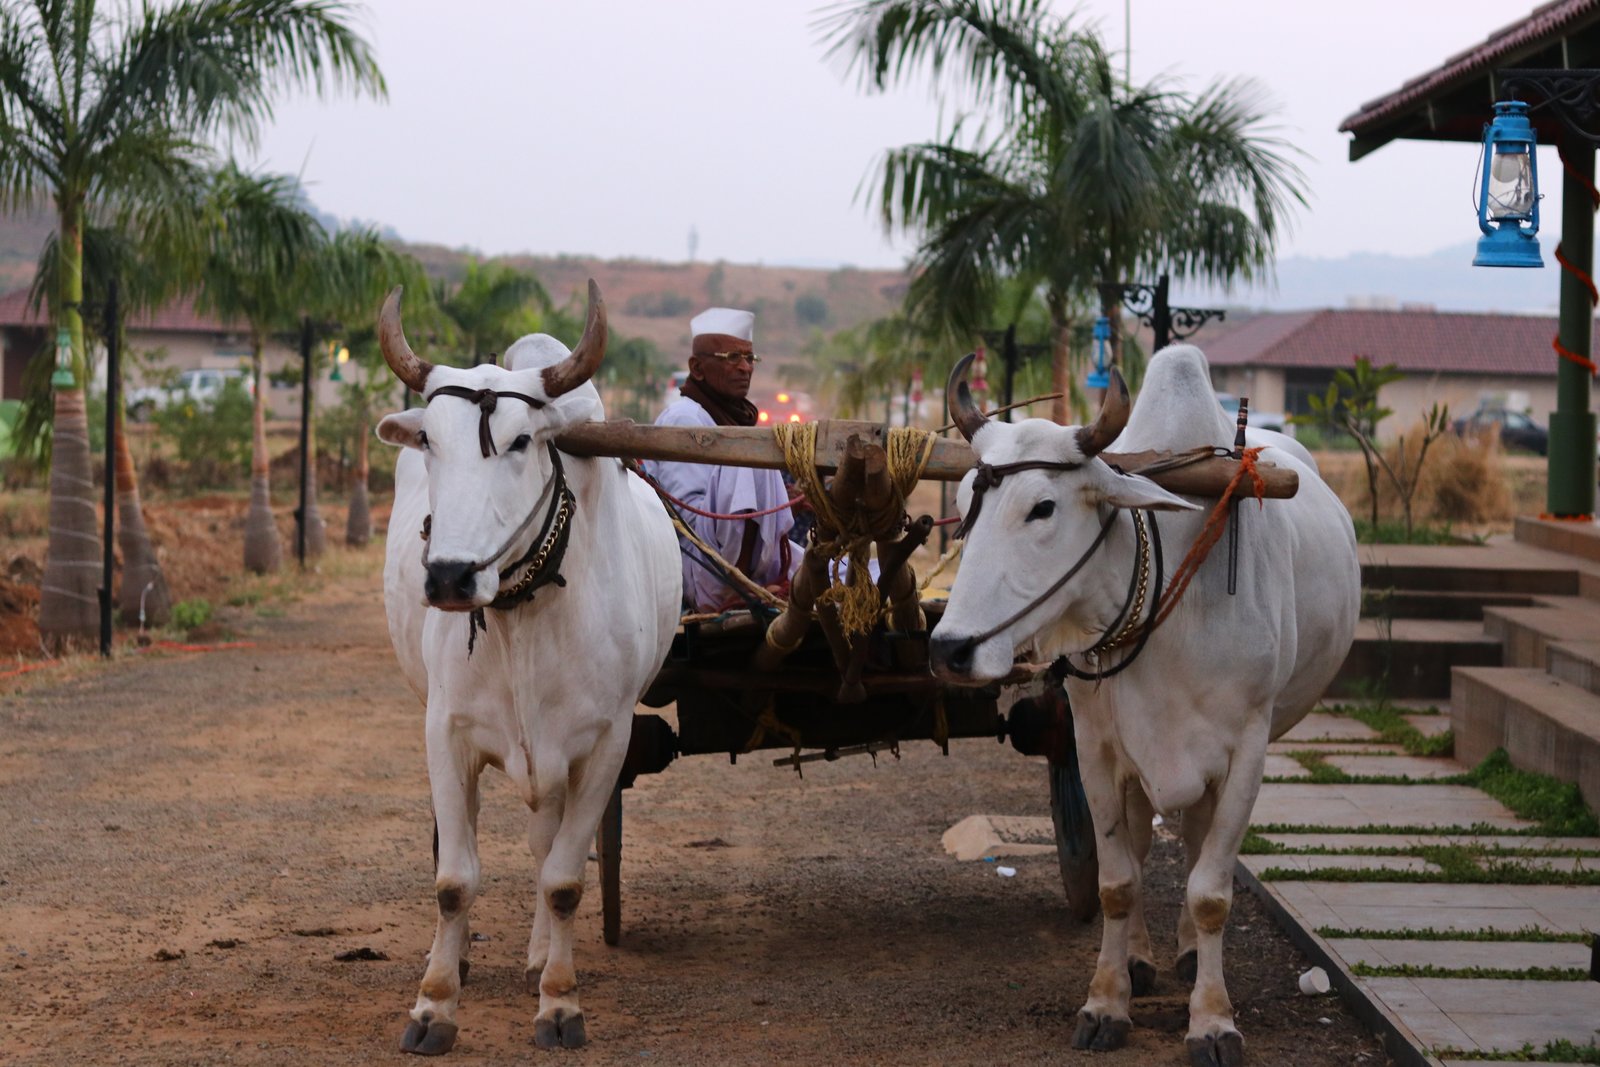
(1476, 967)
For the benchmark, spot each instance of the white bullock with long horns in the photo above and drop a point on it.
(535, 609)
(1060, 552)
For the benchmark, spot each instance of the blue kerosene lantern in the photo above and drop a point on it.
(1508, 196)
(1099, 378)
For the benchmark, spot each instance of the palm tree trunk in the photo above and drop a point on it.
(145, 599)
(1060, 360)
(358, 524)
(316, 529)
(263, 549)
(69, 607)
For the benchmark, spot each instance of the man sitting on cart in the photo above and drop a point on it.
(721, 361)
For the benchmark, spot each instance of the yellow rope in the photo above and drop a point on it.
(856, 599)
(944, 561)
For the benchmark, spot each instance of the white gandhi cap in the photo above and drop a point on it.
(729, 322)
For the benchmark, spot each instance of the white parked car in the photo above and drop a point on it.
(1259, 420)
(202, 386)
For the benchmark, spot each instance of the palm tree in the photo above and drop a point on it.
(344, 281)
(101, 110)
(257, 234)
(493, 306)
(1086, 181)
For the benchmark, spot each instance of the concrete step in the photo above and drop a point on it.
(1438, 603)
(1544, 723)
(1581, 539)
(1525, 632)
(1577, 662)
(1415, 654)
(1469, 568)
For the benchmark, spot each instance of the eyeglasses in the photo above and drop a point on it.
(735, 357)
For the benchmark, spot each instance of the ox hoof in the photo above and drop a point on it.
(1221, 1050)
(563, 1030)
(1142, 974)
(1100, 1033)
(428, 1037)
(1188, 966)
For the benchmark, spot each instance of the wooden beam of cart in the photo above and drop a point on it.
(755, 446)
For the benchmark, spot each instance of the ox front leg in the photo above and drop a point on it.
(453, 778)
(560, 1022)
(1213, 1040)
(1141, 965)
(1103, 1022)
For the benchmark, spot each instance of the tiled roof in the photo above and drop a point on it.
(179, 316)
(1414, 341)
(1546, 25)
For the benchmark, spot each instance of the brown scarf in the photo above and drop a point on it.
(724, 410)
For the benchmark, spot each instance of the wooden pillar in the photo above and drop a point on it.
(1571, 487)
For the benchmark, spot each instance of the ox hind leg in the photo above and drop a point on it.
(456, 878)
(1213, 1040)
(563, 828)
(1103, 1022)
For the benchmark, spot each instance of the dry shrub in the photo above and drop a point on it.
(1464, 479)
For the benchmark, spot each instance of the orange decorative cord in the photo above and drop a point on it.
(1572, 268)
(1211, 533)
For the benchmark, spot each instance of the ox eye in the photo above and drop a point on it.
(1042, 510)
(521, 443)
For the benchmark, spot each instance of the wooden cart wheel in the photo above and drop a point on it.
(1075, 845)
(608, 844)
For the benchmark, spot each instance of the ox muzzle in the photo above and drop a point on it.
(452, 585)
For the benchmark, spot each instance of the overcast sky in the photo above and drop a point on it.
(611, 127)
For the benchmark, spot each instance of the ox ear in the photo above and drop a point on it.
(403, 428)
(1132, 491)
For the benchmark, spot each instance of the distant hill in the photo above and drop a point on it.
(655, 300)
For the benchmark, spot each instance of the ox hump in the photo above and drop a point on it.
(1177, 406)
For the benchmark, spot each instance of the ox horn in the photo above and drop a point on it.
(958, 398)
(585, 359)
(407, 366)
(1094, 438)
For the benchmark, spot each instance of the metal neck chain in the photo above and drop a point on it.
(553, 544)
(1135, 615)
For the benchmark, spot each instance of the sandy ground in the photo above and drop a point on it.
(190, 840)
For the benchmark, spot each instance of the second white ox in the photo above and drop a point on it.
(544, 687)
(1184, 728)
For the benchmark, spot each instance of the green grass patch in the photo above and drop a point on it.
(1556, 805)
(1392, 728)
(1536, 934)
(1562, 1051)
(1480, 829)
(1394, 532)
(188, 614)
(1428, 970)
(1257, 845)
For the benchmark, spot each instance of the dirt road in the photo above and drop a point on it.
(189, 841)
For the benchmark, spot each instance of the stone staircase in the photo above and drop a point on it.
(1507, 633)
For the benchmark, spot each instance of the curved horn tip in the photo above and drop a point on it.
(958, 399)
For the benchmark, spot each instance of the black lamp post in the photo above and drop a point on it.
(1149, 304)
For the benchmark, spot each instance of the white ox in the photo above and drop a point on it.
(1185, 727)
(543, 690)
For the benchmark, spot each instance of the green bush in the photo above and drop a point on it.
(188, 614)
(213, 439)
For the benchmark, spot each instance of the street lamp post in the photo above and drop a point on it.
(1149, 304)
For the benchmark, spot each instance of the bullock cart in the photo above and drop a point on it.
(841, 667)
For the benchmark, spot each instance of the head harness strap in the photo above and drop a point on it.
(989, 476)
(486, 399)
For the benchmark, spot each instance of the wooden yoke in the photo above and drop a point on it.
(755, 446)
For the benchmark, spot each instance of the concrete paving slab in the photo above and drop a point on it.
(1380, 805)
(1420, 767)
(1516, 955)
(1257, 864)
(1429, 725)
(1408, 906)
(1278, 766)
(1320, 726)
(1505, 1015)
(1336, 841)
(1432, 1026)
